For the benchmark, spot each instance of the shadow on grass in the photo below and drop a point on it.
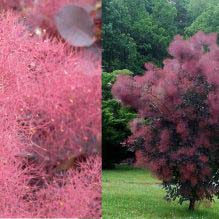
(123, 167)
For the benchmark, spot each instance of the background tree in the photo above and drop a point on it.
(207, 21)
(165, 14)
(180, 144)
(196, 7)
(183, 18)
(114, 119)
(135, 32)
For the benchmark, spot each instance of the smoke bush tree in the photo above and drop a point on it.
(50, 117)
(180, 144)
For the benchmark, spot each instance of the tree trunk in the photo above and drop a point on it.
(192, 205)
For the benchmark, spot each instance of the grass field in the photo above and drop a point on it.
(134, 193)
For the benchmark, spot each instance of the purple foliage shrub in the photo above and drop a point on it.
(179, 140)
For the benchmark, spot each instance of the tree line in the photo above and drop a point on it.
(136, 32)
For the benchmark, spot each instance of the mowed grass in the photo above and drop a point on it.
(134, 193)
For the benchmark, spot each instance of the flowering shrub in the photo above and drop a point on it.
(50, 120)
(179, 142)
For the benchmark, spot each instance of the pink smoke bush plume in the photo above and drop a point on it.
(50, 117)
(176, 134)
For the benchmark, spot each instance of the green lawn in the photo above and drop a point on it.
(134, 193)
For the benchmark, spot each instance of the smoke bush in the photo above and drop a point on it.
(50, 116)
(80, 197)
(180, 141)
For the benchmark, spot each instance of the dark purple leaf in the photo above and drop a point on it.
(75, 25)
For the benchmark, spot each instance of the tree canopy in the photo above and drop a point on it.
(135, 32)
(207, 21)
(181, 101)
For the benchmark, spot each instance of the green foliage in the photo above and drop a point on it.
(208, 21)
(115, 121)
(165, 14)
(183, 18)
(136, 32)
(197, 7)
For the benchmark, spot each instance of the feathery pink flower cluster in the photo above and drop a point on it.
(50, 112)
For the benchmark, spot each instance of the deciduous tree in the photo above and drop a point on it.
(181, 100)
